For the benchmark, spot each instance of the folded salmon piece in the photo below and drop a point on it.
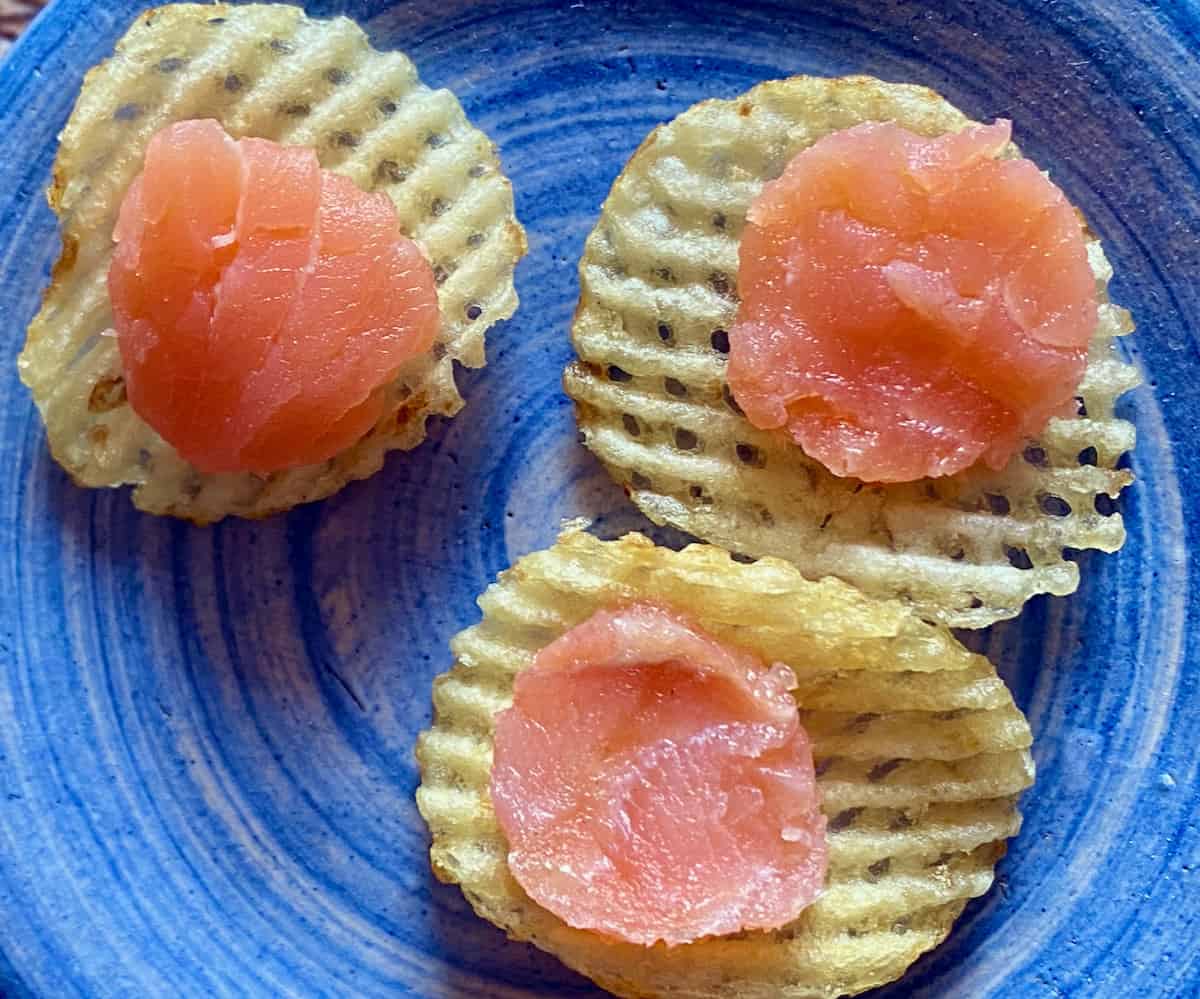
(260, 302)
(910, 304)
(655, 783)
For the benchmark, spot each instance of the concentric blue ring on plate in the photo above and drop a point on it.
(206, 767)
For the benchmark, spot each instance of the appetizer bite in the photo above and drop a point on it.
(686, 775)
(276, 243)
(837, 322)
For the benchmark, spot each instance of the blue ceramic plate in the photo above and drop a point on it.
(206, 771)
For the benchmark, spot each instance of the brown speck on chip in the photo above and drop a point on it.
(66, 260)
(881, 770)
(844, 819)
(878, 869)
(390, 172)
(860, 722)
(730, 401)
(107, 394)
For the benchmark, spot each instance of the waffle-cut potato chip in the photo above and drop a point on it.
(920, 754)
(659, 293)
(264, 70)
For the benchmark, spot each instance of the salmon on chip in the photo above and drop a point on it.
(838, 322)
(685, 775)
(278, 243)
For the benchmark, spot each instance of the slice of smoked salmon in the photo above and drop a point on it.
(260, 302)
(655, 784)
(910, 305)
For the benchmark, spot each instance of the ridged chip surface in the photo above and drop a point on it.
(921, 755)
(265, 70)
(658, 295)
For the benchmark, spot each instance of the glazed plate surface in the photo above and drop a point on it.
(206, 770)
